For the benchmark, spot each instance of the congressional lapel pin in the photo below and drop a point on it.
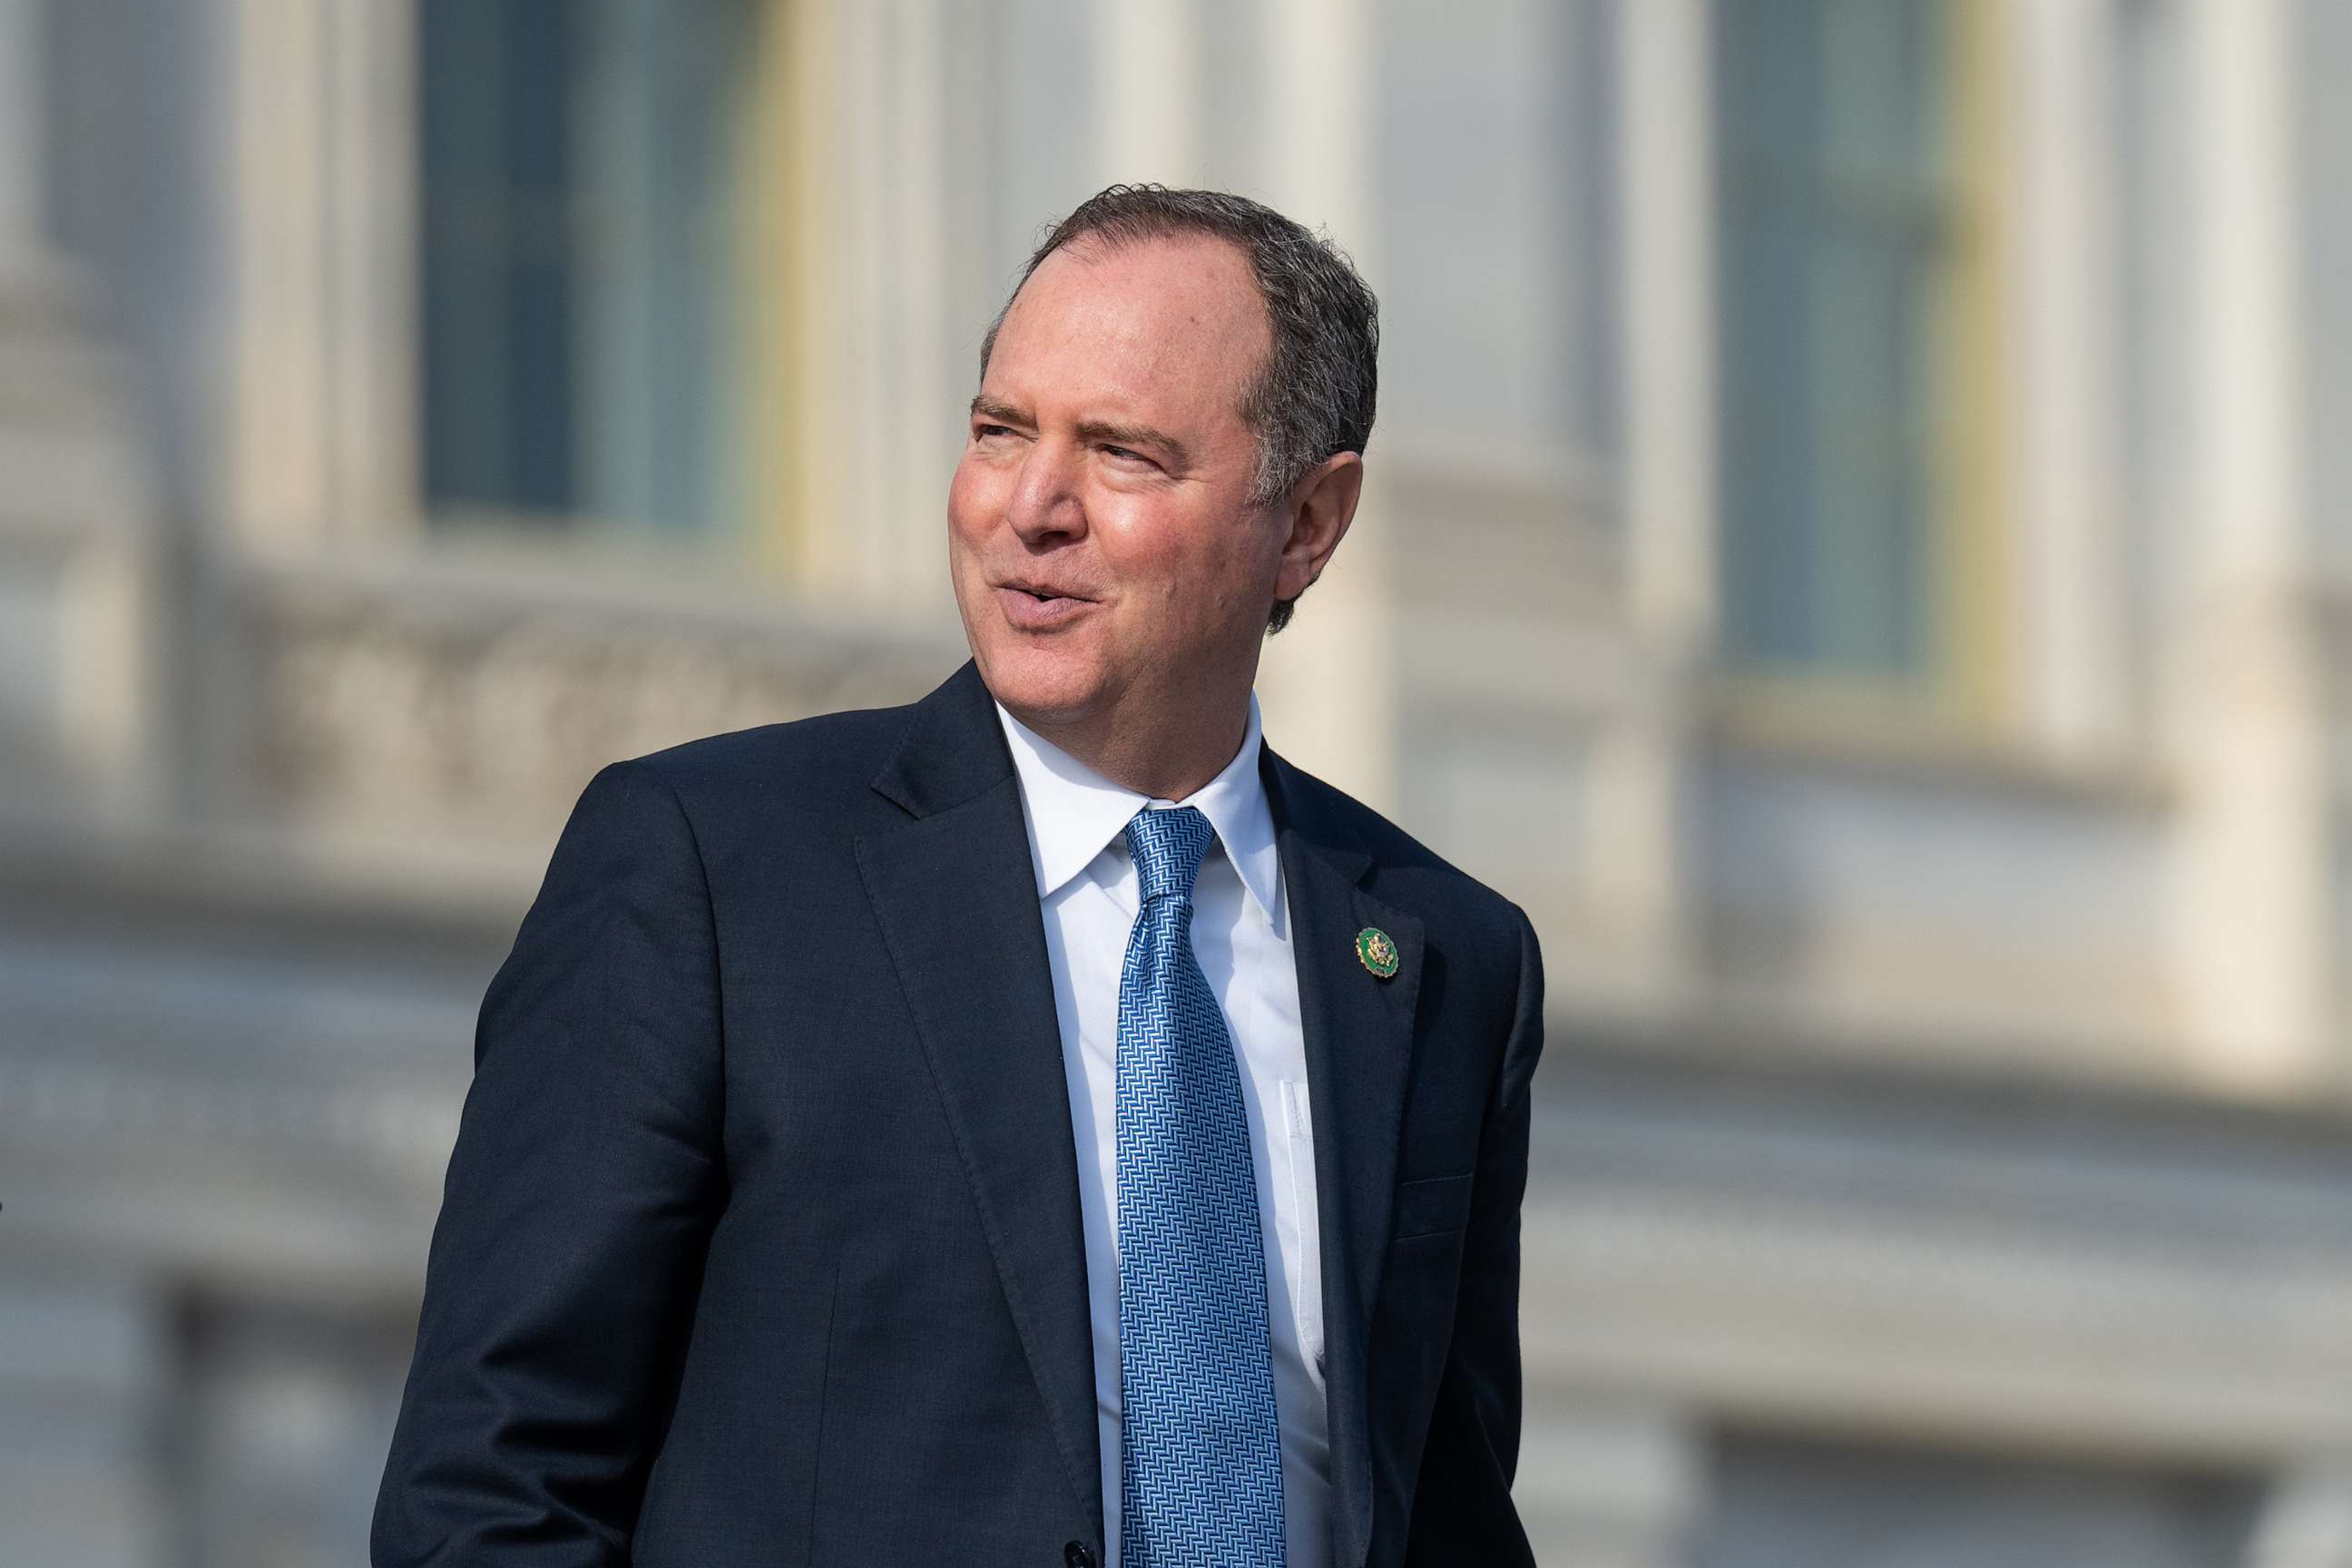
(1377, 952)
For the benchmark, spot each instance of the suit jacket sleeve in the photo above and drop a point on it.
(581, 1192)
(1462, 1510)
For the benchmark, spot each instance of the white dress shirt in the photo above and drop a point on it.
(1240, 932)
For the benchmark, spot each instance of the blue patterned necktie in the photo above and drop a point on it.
(1200, 1452)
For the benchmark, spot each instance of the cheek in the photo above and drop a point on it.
(1151, 548)
(973, 505)
(1229, 562)
(1200, 575)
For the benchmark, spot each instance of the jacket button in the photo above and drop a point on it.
(1078, 1554)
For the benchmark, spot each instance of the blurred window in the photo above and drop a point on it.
(1848, 276)
(580, 164)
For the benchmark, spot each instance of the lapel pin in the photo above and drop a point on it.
(1377, 952)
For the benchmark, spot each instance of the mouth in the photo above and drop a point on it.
(1043, 593)
(1040, 606)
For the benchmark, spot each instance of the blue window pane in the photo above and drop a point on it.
(1831, 274)
(578, 288)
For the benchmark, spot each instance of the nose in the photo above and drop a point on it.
(1045, 505)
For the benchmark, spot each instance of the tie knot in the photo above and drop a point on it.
(1168, 847)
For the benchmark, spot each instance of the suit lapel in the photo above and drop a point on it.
(956, 896)
(1358, 1036)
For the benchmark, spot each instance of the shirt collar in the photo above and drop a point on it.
(1074, 811)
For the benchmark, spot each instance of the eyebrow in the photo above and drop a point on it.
(1115, 433)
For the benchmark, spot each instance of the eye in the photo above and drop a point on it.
(1128, 454)
(993, 437)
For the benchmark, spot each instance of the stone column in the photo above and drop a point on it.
(1329, 683)
(1643, 762)
(1149, 91)
(22, 190)
(2253, 849)
(83, 1352)
(2073, 582)
(880, 382)
(75, 552)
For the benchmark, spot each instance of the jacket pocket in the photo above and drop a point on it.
(1432, 1205)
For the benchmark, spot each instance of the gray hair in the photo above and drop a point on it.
(1313, 397)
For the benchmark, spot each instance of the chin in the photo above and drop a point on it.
(1041, 679)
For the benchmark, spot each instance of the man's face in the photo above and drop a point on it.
(1100, 536)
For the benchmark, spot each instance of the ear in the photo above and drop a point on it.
(1320, 507)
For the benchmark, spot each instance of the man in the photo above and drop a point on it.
(1038, 1124)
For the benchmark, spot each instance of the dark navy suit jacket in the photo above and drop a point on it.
(760, 1242)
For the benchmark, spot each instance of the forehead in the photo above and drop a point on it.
(1166, 325)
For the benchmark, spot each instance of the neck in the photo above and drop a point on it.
(1166, 754)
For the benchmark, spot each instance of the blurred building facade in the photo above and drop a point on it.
(1854, 549)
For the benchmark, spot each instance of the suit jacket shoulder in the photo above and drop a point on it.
(821, 765)
(1401, 857)
(1480, 927)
